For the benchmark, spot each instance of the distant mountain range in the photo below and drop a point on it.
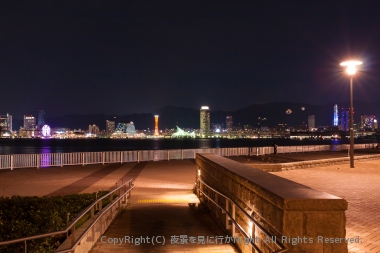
(170, 116)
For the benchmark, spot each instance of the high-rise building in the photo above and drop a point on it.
(41, 119)
(93, 129)
(205, 121)
(367, 122)
(311, 122)
(229, 123)
(345, 119)
(6, 123)
(335, 119)
(110, 127)
(29, 122)
(156, 125)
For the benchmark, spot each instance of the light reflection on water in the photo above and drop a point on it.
(45, 156)
(38, 146)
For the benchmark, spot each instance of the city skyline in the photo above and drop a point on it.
(134, 57)
(271, 114)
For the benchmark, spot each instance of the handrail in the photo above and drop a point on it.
(232, 219)
(93, 223)
(72, 224)
(13, 161)
(278, 244)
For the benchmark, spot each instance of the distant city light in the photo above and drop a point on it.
(205, 108)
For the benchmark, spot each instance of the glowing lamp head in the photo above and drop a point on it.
(351, 66)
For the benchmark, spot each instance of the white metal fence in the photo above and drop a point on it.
(83, 158)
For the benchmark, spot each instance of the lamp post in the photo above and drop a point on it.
(351, 70)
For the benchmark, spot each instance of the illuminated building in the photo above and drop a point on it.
(345, 119)
(110, 127)
(181, 133)
(29, 122)
(281, 129)
(41, 119)
(217, 128)
(205, 121)
(367, 122)
(93, 129)
(375, 124)
(156, 125)
(247, 127)
(335, 120)
(229, 123)
(6, 123)
(128, 128)
(311, 122)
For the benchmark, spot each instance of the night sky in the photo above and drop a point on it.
(121, 57)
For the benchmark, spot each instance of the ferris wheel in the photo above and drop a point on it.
(46, 131)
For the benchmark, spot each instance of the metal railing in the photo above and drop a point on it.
(84, 158)
(230, 216)
(122, 194)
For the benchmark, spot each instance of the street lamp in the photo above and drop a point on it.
(351, 70)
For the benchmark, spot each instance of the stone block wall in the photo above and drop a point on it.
(297, 215)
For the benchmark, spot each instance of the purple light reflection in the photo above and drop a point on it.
(46, 154)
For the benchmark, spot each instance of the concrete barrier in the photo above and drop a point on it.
(273, 167)
(301, 218)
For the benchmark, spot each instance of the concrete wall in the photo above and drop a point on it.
(286, 209)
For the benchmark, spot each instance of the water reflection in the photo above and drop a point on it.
(217, 143)
(204, 143)
(38, 146)
(156, 144)
(45, 156)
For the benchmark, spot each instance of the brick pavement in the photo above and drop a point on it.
(65, 180)
(298, 157)
(360, 187)
(173, 180)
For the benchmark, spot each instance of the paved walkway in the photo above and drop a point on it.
(159, 203)
(60, 181)
(160, 207)
(299, 157)
(360, 186)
